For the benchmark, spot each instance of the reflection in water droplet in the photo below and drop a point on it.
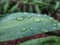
(37, 20)
(23, 29)
(44, 30)
(20, 18)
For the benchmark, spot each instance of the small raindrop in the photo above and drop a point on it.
(58, 23)
(25, 13)
(39, 15)
(23, 29)
(30, 28)
(44, 30)
(54, 24)
(54, 28)
(22, 36)
(45, 15)
(51, 18)
(20, 18)
(37, 20)
(28, 16)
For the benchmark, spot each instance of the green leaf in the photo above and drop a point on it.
(30, 8)
(37, 9)
(24, 8)
(51, 40)
(14, 8)
(6, 6)
(57, 5)
(21, 25)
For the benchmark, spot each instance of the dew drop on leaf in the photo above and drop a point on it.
(44, 30)
(23, 29)
(25, 13)
(37, 20)
(20, 18)
(21, 36)
(54, 28)
(30, 28)
(51, 18)
(28, 16)
(55, 24)
(58, 23)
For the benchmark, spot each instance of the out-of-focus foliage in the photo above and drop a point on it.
(38, 6)
(6, 7)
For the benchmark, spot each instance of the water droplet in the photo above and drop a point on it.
(25, 13)
(22, 36)
(54, 24)
(37, 20)
(23, 29)
(54, 28)
(20, 18)
(51, 18)
(39, 15)
(58, 23)
(45, 15)
(30, 28)
(28, 16)
(44, 30)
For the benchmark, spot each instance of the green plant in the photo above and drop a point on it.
(15, 24)
(8, 7)
(40, 6)
(20, 25)
(51, 40)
